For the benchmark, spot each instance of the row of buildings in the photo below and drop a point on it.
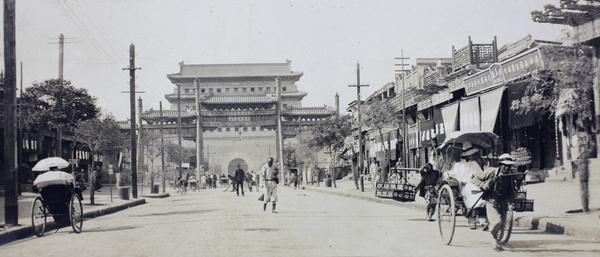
(471, 91)
(475, 90)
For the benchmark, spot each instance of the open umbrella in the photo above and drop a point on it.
(46, 164)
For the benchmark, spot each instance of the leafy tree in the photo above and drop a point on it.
(173, 152)
(379, 114)
(101, 135)
(329, 134)
(56, 104)
(564, 87)
(305, 154)
(151, 144)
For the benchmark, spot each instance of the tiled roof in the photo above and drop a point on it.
(308, 111)
(236, 70)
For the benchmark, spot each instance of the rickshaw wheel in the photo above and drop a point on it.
(38, 216)
(446, 207)
(504, 233)
(76, 213)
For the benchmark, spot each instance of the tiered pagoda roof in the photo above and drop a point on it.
(245, 70)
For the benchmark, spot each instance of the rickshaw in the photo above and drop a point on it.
(450, 201)
(59, 199)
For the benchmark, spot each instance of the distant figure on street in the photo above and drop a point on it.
(269, 173)
(373, 169)
(184, 184)
(240, 176)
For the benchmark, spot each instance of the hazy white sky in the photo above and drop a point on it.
(324, 39)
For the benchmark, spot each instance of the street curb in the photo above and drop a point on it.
(558, 226)
(545, 224)
(161, 195)
(372, 198)
(26, 231)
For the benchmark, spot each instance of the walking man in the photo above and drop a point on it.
(240, 176)
(498, 193)
(268, 173)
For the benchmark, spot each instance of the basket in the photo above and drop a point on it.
(521, 195)
(404, 195)
(521, 205)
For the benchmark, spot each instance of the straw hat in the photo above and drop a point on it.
(468, 149)
(506, 159)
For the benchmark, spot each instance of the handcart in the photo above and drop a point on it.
(59, 199)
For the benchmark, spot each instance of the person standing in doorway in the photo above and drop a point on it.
(240, 176)
(373, 169)
(268, 173)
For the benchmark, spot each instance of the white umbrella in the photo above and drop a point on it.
(46, 164)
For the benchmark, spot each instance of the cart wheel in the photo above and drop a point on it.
(504, 233)
(76, 213)
(446, 213)
(38, 216)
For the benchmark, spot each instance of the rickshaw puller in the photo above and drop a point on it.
(498, 195)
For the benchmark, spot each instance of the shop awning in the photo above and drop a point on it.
(469, 115)
(449, 116)
(490, 104)
(515, 119)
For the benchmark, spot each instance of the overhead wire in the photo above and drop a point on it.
(100, 46)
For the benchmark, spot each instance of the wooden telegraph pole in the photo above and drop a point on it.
(360, 139)
(199, 130)
(132, 69)
(279, 131)
(11, 211)
(404, 128)
(162, 149)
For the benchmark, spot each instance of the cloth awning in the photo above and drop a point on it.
(449, 116)
(515, 119)
(490, 104)
(469, 115)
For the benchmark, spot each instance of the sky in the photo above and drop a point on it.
(323, 39)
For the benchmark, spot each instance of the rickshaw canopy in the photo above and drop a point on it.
(484, 140)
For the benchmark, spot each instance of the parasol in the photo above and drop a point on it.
(46, 164)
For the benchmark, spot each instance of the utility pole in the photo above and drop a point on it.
(360, 139)
(279, 132)
(404, 128)
(199, 131)
(132, 69)
(162, 149)
(141, 144)
(20, 130)
(11, 207)
(179, 130)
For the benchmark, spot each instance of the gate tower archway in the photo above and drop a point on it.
(232, 166)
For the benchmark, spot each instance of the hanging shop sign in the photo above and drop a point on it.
(511, 69)
(412, 137)
(438, 125)
(427, 133)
